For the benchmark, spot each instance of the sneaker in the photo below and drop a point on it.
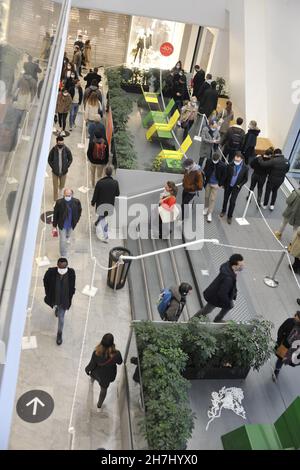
(68, 240)
(63, 134)
(229, 220)
(105, 240)
(55, 310)
(205, 211)
(278, 235)
(264, 207)
(222, 214)
(70, 129)
(59, 339)
(272, 208)
(209, 218)
(298, 301)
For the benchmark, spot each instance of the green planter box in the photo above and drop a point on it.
(252, 437)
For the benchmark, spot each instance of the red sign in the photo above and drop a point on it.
(166, 49)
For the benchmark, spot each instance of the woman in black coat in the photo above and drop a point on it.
(250, 141)
(103, 365)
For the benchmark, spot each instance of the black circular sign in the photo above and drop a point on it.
(49, 217)
(35, 406)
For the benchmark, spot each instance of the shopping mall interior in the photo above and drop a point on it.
(106, 110)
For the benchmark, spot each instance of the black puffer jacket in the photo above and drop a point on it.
(102, 369)
(222, 291)
(221, 171)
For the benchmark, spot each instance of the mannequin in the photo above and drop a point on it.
(140, 45)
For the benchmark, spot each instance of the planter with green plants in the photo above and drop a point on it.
(172, 354)
(221, 84)
(121, 107)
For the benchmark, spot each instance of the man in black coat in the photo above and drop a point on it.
(198, 80)
(209, 101)
(234, 139)
(278, 167)
(259, 174)
(222, 291)
(237, 176)
(205, 86)
(59, 159)
(215, 173)
(59, 286)
(105, 193)
(67, 212)
(285, 338)
(92, 76)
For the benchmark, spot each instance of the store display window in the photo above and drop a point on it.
(146, 37)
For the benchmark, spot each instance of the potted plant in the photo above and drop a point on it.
(221, 87)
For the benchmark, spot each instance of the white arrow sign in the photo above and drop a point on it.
(35, 401)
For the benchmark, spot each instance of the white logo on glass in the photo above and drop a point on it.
(228, 399)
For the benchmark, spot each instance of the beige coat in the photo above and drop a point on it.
(294, 247)
(64, 103)
(88, 54)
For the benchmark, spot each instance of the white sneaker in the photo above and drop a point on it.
(272, 208)
(68, 240)
(264, 207)
(205, 211)
(63, 134)
(209, 218)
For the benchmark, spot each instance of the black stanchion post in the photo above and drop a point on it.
(271, 281)
(118, 268)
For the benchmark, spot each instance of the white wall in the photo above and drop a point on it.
(219, 65)
(202, 12)
(283, 65)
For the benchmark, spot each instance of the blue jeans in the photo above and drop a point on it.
(61, 318)
(73, 114)
(104, 225)
(64, 235)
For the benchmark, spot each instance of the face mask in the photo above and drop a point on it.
(178, 67)
(216, 162)
(65, 93)
(62, 271)
(72, 76)
(213, 129)
(60, 145)
(237, 163)
(68, 198)
(69, 68)
(240, 269)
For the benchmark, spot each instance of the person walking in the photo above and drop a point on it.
(105, 193)
(237, 176)
(209, 100)
(59, 159)
(22, 100)
(92, 75)
(210, 139)
(92, 89)
(215, 173)
(291, 215)
(98, 154)
(188, 116)
(223, 291)
(198, 80)
(205, 86)
(224, 119)
(180, 91)
(96, 126)
(59, 283)
(294, 250)
(248, 149)
(67, 212)
(63, 107)
(234, 140)
(76, 95)
(279, 167)
(192, 183)
(87, 51)
(172, 301)
(103, 365)
(285, 337)
(259, 174)
(92, 109)
(167, 208)
(77, 60)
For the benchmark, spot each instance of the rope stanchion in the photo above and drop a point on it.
(198, 136)
(243, 220)
(271, 281)
(71, 431)
(81, 145)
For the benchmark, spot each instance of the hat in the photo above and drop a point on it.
(187, 163)
(107, 340)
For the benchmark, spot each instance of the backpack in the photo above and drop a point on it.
(236, 140)
(164, 301)
(99, 151)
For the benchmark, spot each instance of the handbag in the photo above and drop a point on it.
(168, 216)
(281, 351)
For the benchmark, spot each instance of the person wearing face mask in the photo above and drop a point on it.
(63, 107)
(188, 116)
(210, 139)
(234, 139)
(260, 174)
(59, 159)
(237, 176)
(76, 95)
(192, 183)
(59, 286)
(215, 172)
(223, 291)
(67, 212)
